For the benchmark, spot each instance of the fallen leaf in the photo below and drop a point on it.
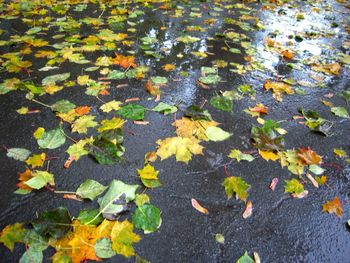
(273, 184)
(308, 156)
(333, 207)
(198, 207)
(236, 185)
(248, 210)
(123, 238)
(268, 155)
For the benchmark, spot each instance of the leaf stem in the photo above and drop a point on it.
(41, 103)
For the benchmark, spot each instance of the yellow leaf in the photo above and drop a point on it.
(182, 148)
(39, 133)
(83, 80)
(37, 160)
(83, 123)
(112, 105)
(123, 238)
(169, 67)
(112, 124)
(278, 88)
(148, 172)
(188, 128)
(267, 155)
(22, 110)
(333, 207)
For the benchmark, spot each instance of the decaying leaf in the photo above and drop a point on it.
(333, 207)
(198, 207)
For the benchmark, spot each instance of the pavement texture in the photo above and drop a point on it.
(281, 228)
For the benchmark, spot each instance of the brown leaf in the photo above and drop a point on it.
(333, 207)
(248, 210)
(308, 156)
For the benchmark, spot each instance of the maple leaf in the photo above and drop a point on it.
(112, 105)
(12, 234)
(79, 244)
(82, 110)
(182, 148)
(169, 67)
(293, 187)
(78, 150)
(188, 128)
(37, 160)
(278, 88)
(83, 123)
(331, 69)
(236, 185)
(308, 156)
(114, 123)
(123, 238)
(23, 177)
(238, 155)
(333, 207)
(124, 61)
(268, 155)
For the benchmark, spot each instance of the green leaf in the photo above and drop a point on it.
(217, 134)
(141, 199)
(220, 238)
(52, 139)
(107, 148)
(340, 112)
(54, 223)
(103, 248)
(132, 111)
(238, 155)
(222, 103)
(34, 240)
(34, 30)
(63, 106)
(245, 259)
(147, 218)
(209, 70)
(165, 108)
(40, 179)
(159, 80)
(12, 234)
(116, 199)
(315, 169)
(116, 74)
(210, 79)
(90, 189)
(293, 187)
(32, 256)
(187, 39)
(197, 113)
(85, 216)
(55, 78)
(236, 185)
(19, 154)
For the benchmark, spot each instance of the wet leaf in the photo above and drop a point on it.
(238, 155)
(293, 187)
(333, 207)
(84, 122)
(308, 156)
(216, 134)
(90, 189)
(114, 123)
(63, 106)
(149, 176)
(182, 148)
(187, 128)
(112, 105)
(245, 258)
(222, 103)
(103, 248)
(268, 155)
(236, 185)
(12, 234)
(210, 79)
(123, 238)
(31, 256)
(37, 160)
(198, 207)
(220, 238)
(19, 154)
(141, 199)
(147, 217)
(340, 112)
(52, 139)
(132, 111)
(40, 179)
(116, 198)
(53, 79)
(90, 216)
(278, 89)
(248, 210)
(165, 108)
(53, 223)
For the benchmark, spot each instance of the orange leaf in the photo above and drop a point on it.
(124, 61)
(308, 156)
(333, 207)
(152, 89)
(73, 197)
(169, 67)
(24, 177)
(287, 54)
(82, 110)
(248, 210)
(198, 207)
